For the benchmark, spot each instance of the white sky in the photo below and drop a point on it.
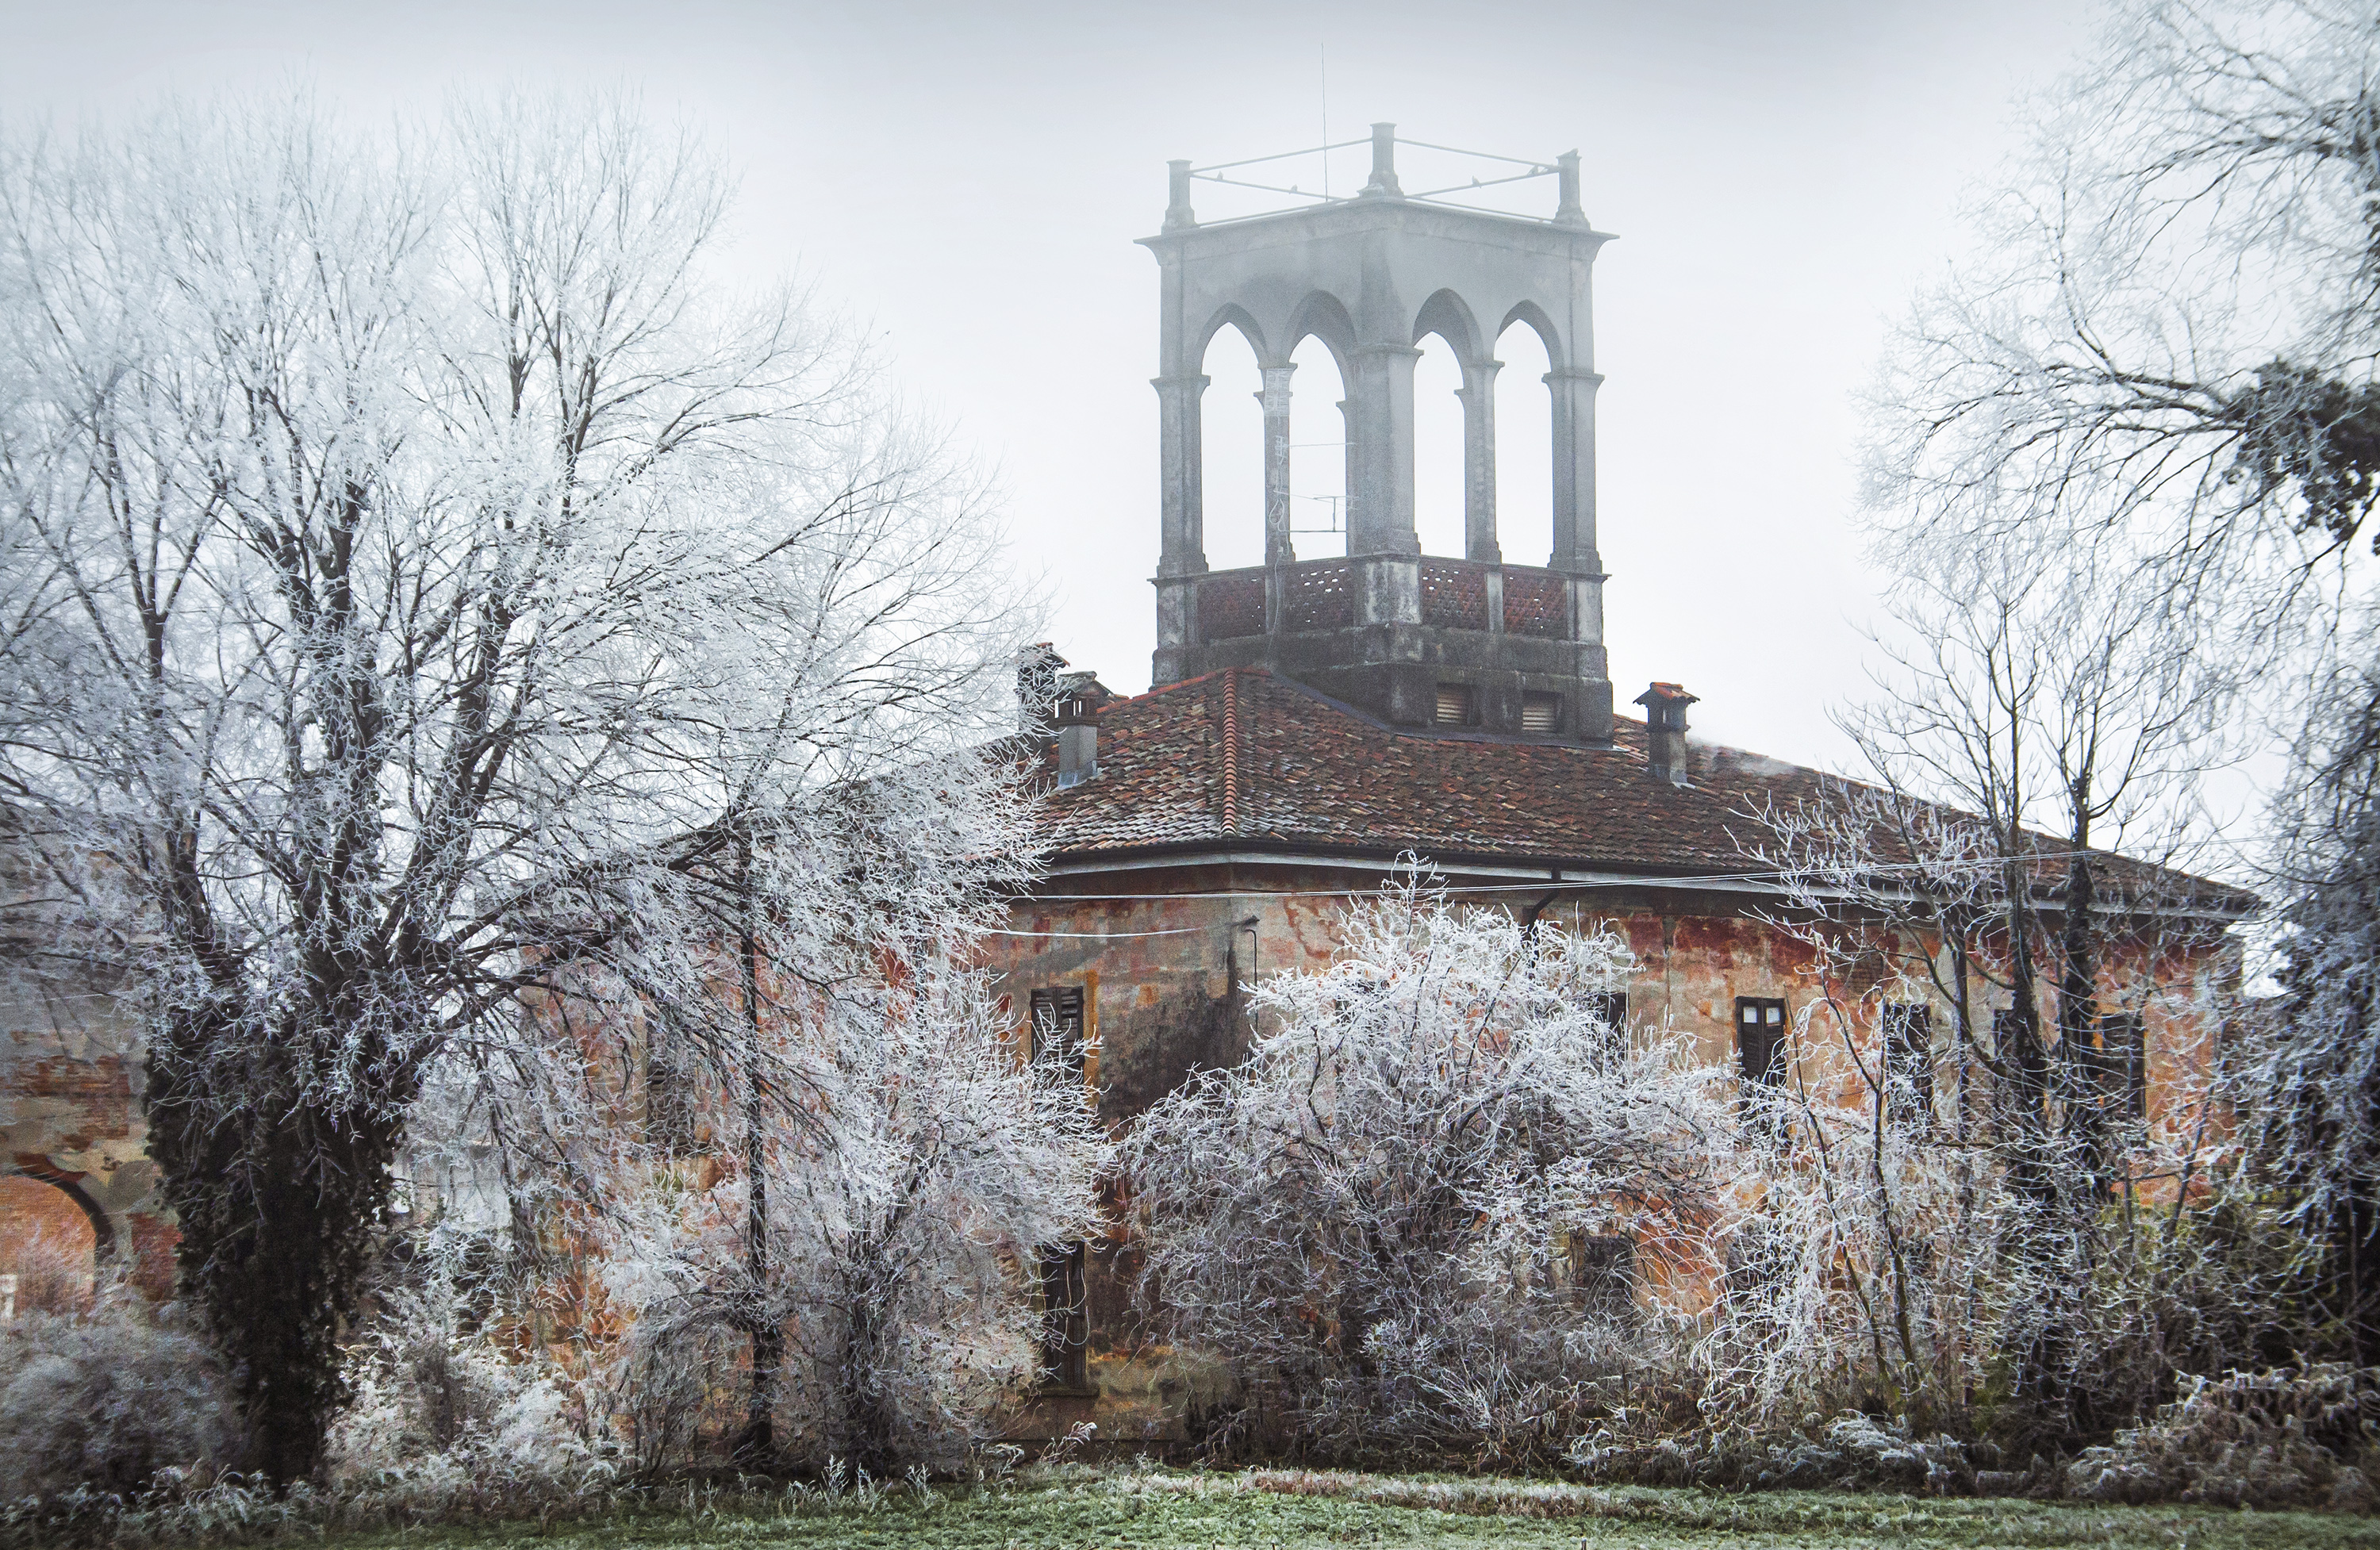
(970, 178)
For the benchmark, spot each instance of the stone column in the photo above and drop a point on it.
(1347, 475)
(1182, 543)
(1381, 501)
(1278, 550)
(1573, 409)
(1182, 557)
(1478, 395)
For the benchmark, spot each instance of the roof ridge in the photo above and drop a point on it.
(1155, 689)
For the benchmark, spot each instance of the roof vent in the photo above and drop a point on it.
(1665, 732)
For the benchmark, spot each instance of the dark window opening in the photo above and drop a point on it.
(2124, 1063)
(1601, 1271)
(672, 1094)
(1058, 1022)
(2005, 1096)
(1759, 1263)
(1760, 1039)
(1909, 1065)
(1061, 1285)
(1540, 712)
(1063, 1289)
(1454, 705)
(1760, 1051)
(2086, 1076)
(1610, 1009)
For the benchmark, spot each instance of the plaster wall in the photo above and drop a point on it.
(1166, 957)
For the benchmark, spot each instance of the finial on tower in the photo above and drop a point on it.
(1384, 165)
(1569, 211)
(1178, 213)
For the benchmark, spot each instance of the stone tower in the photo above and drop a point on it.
(1418, 641)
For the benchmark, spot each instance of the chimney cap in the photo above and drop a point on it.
(1666, 693)
(1080, 697)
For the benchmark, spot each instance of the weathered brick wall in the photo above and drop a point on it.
(70, 1117)
(1165, 978)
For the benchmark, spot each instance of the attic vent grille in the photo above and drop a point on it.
(1454, 705)
(1540, 713)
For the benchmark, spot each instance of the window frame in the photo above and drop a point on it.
(1772, 1072)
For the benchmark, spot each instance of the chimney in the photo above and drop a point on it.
(1665, 732)
(1037, 687)
(1080, 696)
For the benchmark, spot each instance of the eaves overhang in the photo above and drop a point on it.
(1552, 871)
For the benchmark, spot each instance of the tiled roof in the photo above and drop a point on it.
(1249, 760)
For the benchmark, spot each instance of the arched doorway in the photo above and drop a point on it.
(49, 1249)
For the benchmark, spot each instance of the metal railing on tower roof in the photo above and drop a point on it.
(1382, 183)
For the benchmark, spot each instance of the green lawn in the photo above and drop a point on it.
(1168, 1508)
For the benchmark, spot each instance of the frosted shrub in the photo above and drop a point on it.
(2281, 1438)
(106, 1401)
(1417, 1217)
(448, 1411)
(53, 1275)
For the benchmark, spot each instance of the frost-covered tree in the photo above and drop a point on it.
(1995, 986)
(2165, 333)
(1414, 1218)
(2310, 1090)
(2164, 347)
(422, 578)
(881, 1303)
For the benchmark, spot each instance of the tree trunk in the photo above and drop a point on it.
(2078, 1015)
(757, 1446)
(280, 1203)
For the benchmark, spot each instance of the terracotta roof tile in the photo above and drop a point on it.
(1315, 775)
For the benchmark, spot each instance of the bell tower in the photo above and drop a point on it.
(1418, 640)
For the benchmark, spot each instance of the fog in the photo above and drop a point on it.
(967, 180)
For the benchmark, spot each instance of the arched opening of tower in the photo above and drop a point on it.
(1317, 455)
(1525, 448)
(49, 1250)
(1438, 449)
(1231, 451)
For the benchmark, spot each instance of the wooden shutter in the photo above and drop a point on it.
(1454, 705)
(1062, 1271)
(2124, 1063)
(1760, 1039)
(1058, 1022)
(1909, 1065)
(1540, 713)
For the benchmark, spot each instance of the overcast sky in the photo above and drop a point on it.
(970, 179)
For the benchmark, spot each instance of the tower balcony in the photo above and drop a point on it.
(1456, 646)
